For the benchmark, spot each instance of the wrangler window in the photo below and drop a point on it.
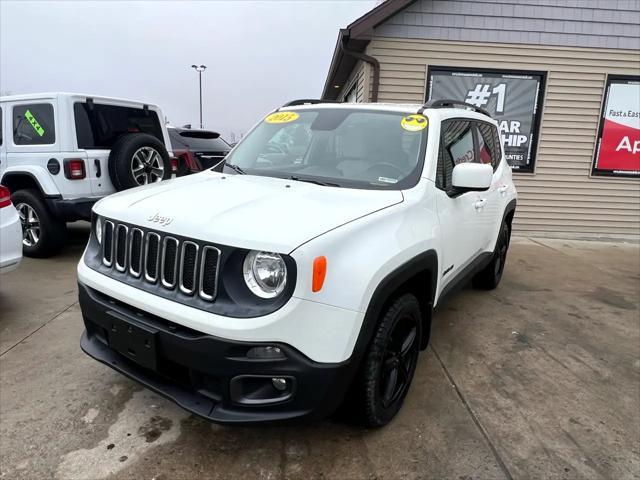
(98, 126)
(33, 124)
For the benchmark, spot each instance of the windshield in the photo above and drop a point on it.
(340, 147)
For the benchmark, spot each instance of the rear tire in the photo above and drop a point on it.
(42, 233)
(390, 362)
(138, 159)
(489, 277)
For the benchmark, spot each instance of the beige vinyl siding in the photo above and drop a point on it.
(560, 198)
(359, 77)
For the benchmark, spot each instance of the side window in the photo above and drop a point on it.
(33, 124)
(99, 126)
(456, 146)
(488, 144)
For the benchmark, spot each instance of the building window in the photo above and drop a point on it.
(352, 94)
(513, 98)
(617, 151)
(33, 124)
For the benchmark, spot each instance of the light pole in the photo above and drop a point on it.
(200, 69)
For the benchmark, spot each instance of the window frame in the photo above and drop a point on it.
(441, 177)
(26, 104)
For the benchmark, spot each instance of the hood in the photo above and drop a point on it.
(246, 211)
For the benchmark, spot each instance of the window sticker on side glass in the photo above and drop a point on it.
(34, 123)
(414, 123)
(282, 117)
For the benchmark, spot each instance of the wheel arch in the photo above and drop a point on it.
(16, 180)
(417, 276)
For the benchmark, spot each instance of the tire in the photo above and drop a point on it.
(43, 234)
(138, 159)
(489, 277)
(389, 364)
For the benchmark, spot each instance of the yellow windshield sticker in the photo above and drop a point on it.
(414, 123)
(282, 117)
(34, 123)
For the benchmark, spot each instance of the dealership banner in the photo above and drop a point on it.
(618, 146)
(512, 98)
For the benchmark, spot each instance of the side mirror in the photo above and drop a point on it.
(471, 177)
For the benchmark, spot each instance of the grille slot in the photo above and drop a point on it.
(209, 272)
(107, 244)
(188, 267)
(121, 247)
(135, 252)
(151, 254)
(169, 262)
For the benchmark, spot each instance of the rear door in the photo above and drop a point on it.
(3, 143)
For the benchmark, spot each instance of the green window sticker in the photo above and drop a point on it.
(34, 123)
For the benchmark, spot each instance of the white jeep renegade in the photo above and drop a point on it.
(62, 152)
(307, 275)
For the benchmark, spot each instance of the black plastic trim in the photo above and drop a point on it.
(71, 210)
(189, 362)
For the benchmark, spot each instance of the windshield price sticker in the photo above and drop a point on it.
(282, 117)
(414, 123)
(34, 123)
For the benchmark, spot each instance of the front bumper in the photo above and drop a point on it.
(206, 375)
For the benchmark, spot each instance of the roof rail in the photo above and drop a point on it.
(448, 103)
(307, 101)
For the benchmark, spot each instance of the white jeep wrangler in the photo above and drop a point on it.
(308, 275)
(62, 152)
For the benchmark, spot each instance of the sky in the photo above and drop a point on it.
(258, 54)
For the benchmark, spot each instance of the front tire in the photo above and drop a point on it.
(390, 362)
(42, 233)
(489, 277)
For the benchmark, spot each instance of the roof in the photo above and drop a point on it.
(356, 37)
(51, 95)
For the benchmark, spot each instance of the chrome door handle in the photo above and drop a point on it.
(503, 188)
(480, 203)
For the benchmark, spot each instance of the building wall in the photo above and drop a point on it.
(560, 197)
(360, 78)
(594, 23)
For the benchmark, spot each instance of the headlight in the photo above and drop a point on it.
(265, 273)
(99, 230)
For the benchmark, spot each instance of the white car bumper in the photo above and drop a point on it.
(323, 333)
(10, 239)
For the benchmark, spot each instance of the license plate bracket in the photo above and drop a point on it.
(137, 342)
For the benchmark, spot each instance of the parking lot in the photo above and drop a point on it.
(537, 379)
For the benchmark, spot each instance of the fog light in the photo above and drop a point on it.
(279, 383)
(267, 352)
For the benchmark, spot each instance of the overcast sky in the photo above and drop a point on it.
(258, 54)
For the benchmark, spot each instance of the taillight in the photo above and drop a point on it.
(74, 169)
(174, 164)
(5, 197)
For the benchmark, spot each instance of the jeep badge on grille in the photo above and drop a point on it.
(157, 218)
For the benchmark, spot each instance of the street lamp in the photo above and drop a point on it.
(200, 69)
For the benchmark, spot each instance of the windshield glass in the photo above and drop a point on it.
(338, 146)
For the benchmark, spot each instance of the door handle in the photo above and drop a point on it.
(503, 188)
(96, 162)
(480, 203)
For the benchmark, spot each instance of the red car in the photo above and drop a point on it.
(197, 150)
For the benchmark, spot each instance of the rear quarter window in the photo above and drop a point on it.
(98, 126)
(33, 124)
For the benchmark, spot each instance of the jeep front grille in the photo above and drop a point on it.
(180, 265)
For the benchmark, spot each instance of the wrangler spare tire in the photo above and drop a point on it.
(138, 159)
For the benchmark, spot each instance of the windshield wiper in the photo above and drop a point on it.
(309, 180)
(235, 168)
